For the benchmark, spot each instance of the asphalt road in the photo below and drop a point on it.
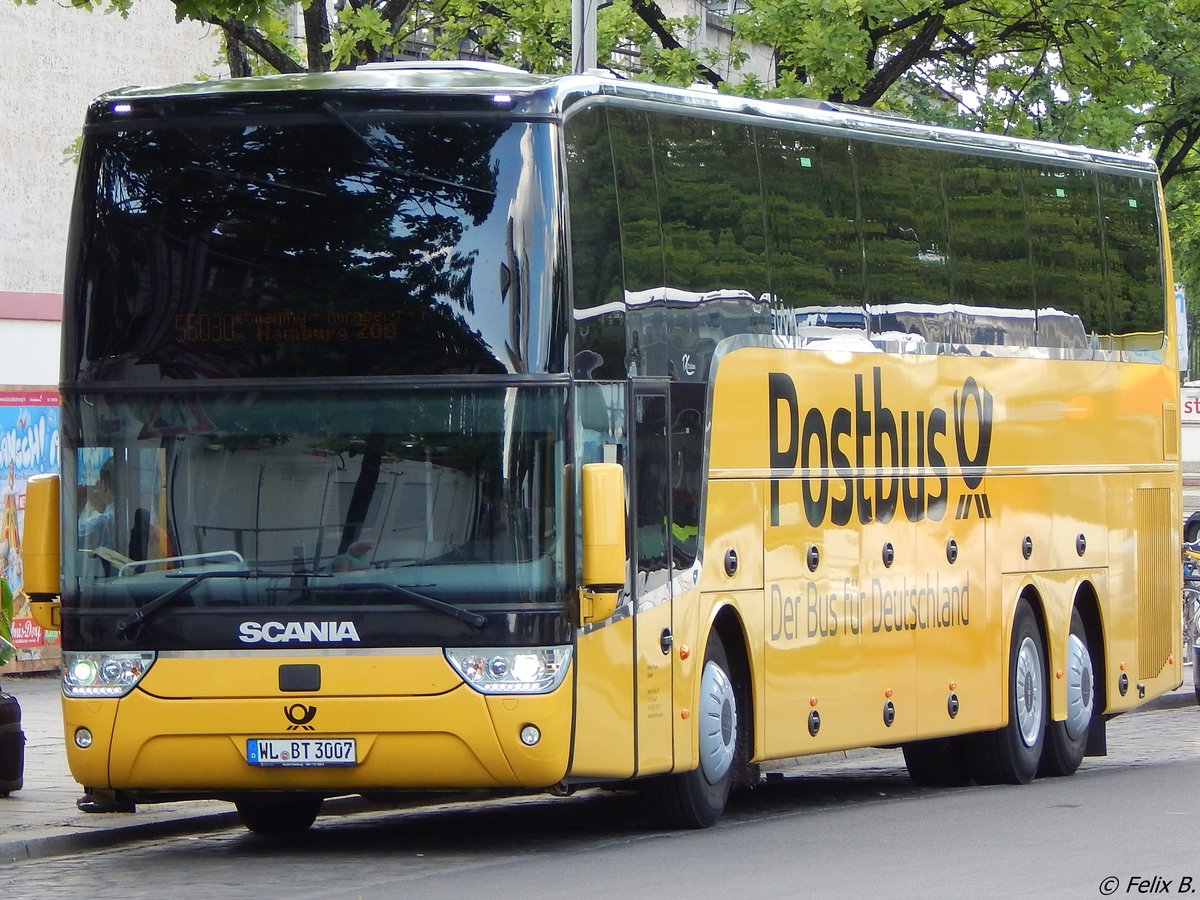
(840, 825)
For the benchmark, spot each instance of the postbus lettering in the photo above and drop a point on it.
(905, 449)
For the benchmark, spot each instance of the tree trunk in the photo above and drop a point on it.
(316, 36)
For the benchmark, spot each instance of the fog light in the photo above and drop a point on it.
(83, 738)
(530, 735)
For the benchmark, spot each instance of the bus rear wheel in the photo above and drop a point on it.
(279, 814)
(1011, 755)
(1066, 740)
(696, 799)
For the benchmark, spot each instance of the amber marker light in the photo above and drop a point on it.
(953, 686)
(812, 701)
(684, 652)
(887, 693)
(685, 714)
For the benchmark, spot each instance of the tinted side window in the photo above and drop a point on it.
(1068, 270)
(637, 193)
(641, 229)
(712, 215)
(599, 319)
(904, 223)
(989, 250)
(1131, 250)
(812, 226)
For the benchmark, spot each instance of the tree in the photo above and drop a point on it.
(1119, 74)
(1123, 74)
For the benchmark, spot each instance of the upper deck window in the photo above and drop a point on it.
(314, 244)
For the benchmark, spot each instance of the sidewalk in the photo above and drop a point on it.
(41, 819)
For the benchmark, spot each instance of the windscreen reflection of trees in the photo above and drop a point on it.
(1131, 255)
(1068, 261)
(596, 264)
(903, 224)
(812, 227)
(856, 223)
(297, 219)
(709, 191)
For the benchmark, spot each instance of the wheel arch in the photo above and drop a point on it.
(1033, 595)
(1087, 602)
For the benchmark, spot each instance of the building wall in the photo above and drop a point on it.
(714, 34)
(55, 60)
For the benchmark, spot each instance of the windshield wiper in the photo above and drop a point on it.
(142, 613)
(474, 619)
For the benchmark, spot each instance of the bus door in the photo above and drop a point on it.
(650, 515)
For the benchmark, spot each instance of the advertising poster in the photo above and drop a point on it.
(30, 444)
(1189, 405)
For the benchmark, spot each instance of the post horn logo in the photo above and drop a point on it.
(300, 715)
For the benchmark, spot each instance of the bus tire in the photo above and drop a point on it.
(940, 762)
(1066, 740)
(696, 799)
(1012, 754)
(279, 814)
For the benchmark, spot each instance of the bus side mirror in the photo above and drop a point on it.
(40, 550)
(604, 552)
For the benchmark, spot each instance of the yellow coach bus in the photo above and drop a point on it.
(443, 426)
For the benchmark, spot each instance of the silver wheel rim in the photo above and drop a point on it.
(718, 723)
(1028, 690)
(1080, 688)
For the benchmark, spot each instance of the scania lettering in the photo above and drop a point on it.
(451, 427)
(307, 632)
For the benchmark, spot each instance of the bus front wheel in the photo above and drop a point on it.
(696, 799)
(279, 814)
(1011, 755)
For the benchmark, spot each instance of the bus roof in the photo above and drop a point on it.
(527, 94)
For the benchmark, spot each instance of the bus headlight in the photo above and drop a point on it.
(103, 674)
(511, 670)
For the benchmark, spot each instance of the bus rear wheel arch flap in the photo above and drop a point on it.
(272, 814)
(1067, 741)
(696, 799)
(939, 762)
(1012, 754)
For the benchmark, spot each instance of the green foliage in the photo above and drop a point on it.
(1124, 74)
(6, 618)
(359, 27)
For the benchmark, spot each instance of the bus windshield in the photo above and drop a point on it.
(367, 498)
(313, 241)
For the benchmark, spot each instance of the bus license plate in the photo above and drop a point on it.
(301, 752)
